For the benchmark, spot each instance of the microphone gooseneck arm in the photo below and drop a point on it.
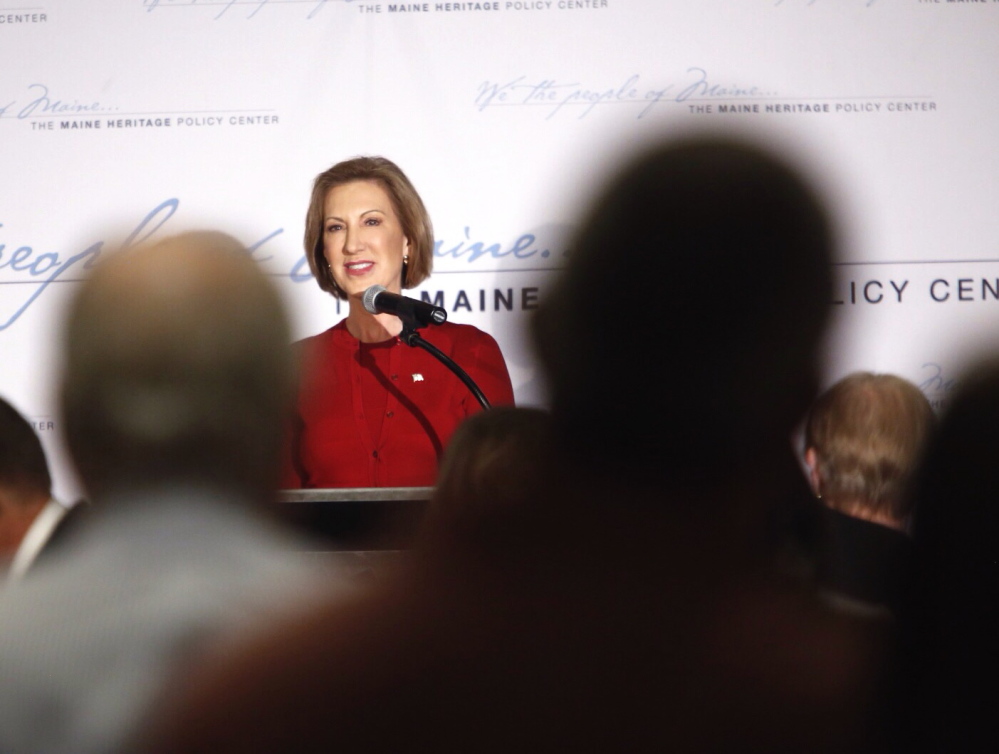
(410, 337)
(415, 314)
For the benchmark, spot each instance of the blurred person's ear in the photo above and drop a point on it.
(812, 461)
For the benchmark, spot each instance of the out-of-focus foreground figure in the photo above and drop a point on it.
(949, 620)
(32, 522)
(631, 603)
(492, 464)
(175, 390)
(863, 439)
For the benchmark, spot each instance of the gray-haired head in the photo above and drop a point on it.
(177, 368)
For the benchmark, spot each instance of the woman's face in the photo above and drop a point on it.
(363, 239)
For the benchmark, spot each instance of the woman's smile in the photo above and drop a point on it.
(363, 240)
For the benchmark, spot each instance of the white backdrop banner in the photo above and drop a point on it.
(137, 118)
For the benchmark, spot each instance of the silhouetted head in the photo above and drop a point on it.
(22, 460)
(177, 368)
(956, 529)
(949, 623)
(25, 484)
(863, 439)
(680, 342)
(491, 463)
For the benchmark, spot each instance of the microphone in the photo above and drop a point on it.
(377, 300)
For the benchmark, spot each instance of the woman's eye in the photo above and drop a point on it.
(372, 221)
(332, 228)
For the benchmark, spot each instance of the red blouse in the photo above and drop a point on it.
(333, 442)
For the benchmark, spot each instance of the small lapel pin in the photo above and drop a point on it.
(417, 377)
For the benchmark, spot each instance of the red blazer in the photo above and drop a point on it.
(331, 444)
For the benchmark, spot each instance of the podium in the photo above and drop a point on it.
(356, 519)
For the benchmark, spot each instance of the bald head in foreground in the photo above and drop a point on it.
(175, 389)
(629, 604)
(175, 369)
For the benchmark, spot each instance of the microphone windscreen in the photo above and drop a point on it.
(369, 298)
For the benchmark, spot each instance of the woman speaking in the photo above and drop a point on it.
(372, 411)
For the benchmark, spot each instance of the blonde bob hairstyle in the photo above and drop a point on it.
(405, 201)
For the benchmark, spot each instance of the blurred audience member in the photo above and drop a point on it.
(863, 439)
(949, 621)
(173, 400)
(629, 604)
(489, 467)
(32, 522)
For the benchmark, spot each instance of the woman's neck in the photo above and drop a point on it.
(371, 328)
